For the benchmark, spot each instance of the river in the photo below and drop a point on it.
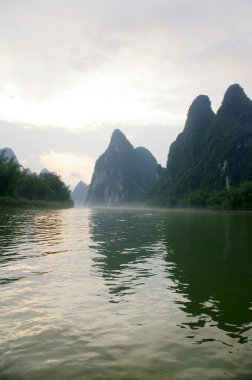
(102, 294)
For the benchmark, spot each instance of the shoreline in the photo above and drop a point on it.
(23, 203)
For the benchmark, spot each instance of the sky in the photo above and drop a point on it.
(72, 71)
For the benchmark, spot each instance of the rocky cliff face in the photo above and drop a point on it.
(228, 146)
(79, 194)
(122, 174)
(213, 152)
(148, 168)
(186, 151)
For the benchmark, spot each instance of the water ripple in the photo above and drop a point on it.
(125, 294)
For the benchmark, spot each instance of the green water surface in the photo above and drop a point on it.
(125, 294)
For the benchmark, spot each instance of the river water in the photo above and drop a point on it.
(99, 294)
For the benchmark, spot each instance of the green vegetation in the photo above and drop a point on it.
(235, 198)
(210, 163)
(17, 187)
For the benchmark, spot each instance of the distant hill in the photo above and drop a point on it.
(21, 187)
(28, 171)
(123, 174)
(79, 194)
(7, 154)
(212, 154)
(44, 171)
(209, 165)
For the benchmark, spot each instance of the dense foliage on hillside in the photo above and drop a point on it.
(210, 163)
(17, 183)
(236, 198)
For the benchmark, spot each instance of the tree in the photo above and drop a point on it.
(9, 176)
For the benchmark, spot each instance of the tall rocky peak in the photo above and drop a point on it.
(230, 142)
(144, 155)
(122, 174)
(148, 167)
(213, 152)
(119, 144)
(234, 96)
(236, 104)
(200, 114)
(118, 138)
(186, 150)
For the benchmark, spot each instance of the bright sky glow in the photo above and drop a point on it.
(72, 72)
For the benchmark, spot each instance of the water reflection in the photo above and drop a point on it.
(130, 298)
(125, 240)
(200, 261)
(24, 235)
(48, 231)
(213, 268)
(10, 228)
(207, 257)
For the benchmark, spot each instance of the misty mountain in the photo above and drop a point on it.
(7, 154)
(28, 171)
(186, 151)
(213, 153)
(79, 194)
(123, 174)
(44, 171)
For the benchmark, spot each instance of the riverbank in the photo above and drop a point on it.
(234, 198)
(25, 203)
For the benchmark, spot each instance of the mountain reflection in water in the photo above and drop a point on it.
(125, 243)
(208, 259)
(213, 268)
(103, 294)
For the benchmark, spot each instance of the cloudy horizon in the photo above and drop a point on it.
(73, 71)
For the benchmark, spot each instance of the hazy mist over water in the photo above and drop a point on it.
(125, 294)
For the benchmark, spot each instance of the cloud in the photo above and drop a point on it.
(49, 47)
(32, 142)
(88, 67)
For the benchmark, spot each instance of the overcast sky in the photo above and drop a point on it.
(74, 70)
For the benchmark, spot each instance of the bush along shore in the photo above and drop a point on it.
(235, 198)
(19, 188)
(6, 202)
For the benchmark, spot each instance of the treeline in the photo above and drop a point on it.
(18, 183)
(235, 198)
